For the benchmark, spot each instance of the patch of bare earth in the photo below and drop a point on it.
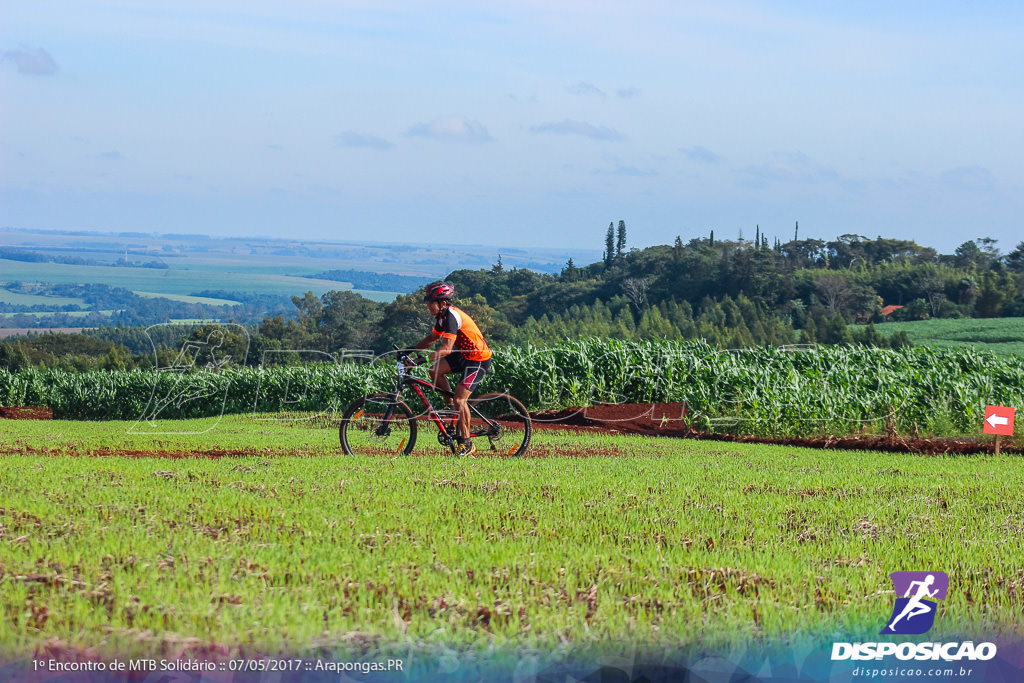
(25, 413)
(645, 419)
(669, 419)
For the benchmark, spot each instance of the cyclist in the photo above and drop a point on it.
(462, 350)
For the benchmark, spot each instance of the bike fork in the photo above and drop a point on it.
(384, 428)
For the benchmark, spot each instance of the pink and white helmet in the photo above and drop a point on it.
(439, 291)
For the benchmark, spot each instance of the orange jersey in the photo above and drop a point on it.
(469, 341)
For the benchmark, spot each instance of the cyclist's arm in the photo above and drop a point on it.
(427, 341)
(447, 344)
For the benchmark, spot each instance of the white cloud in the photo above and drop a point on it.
(571, 127)
(633, 171)
(700, 154)
(31, 61)
(582, 88)
(969, 178)
(452, 129)
(353, 139)
(789, 168)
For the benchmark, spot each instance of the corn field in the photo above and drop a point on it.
(151, 394)
(774, 391)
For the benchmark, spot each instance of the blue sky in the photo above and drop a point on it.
(514, 123)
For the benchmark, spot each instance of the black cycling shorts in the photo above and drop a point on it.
(473, 371)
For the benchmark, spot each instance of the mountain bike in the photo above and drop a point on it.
(384, 424)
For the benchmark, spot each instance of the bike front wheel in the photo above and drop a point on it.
(503, 421)
(378, 424)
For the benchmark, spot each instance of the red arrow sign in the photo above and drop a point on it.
(999, 420)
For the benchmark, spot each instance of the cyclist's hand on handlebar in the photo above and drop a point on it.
(411, 362)
(410, 357)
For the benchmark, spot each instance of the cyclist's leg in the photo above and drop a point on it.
(460, 405)
(453, 364)
(437, 374)
(473, 372)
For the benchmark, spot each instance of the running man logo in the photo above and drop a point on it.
(914, 613)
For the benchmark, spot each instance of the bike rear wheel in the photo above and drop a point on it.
(503, 421)
(378, 424)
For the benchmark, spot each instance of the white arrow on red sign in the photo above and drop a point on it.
(996, 420)
(999, 420)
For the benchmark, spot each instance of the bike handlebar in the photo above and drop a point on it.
(404, 355)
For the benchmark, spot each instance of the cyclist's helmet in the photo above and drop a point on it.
(439, 291)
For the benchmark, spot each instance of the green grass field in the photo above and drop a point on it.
(1004, 336)
(177, 281)
(19, 299)
(295, 548)
(70, 314)
(207, 300)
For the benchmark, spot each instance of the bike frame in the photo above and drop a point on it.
(418, 385)
(489, 416)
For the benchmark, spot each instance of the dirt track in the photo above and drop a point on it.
(647, 419)
(666, 419)
(26, 413)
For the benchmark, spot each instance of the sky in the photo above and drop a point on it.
(515, 123)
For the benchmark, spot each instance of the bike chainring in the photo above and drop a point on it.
(446, 441)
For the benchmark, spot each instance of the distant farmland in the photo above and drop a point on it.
(174, 280)
(15, 331)
(1004, 336)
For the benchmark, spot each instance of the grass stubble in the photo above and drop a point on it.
(612, 541)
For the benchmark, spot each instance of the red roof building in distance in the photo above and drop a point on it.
(889, 310)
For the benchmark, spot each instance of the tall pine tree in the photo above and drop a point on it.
(609, 245)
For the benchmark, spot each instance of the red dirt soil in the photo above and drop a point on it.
(26, 413)
(667, 419)
(645, 419)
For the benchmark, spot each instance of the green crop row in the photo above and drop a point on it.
(151, 394)
(763, 391)
(773, 390)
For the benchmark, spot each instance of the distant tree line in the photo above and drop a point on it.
(105, 305)
(731, 293)
(29, 256)
(812, 287)
(380, 282)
